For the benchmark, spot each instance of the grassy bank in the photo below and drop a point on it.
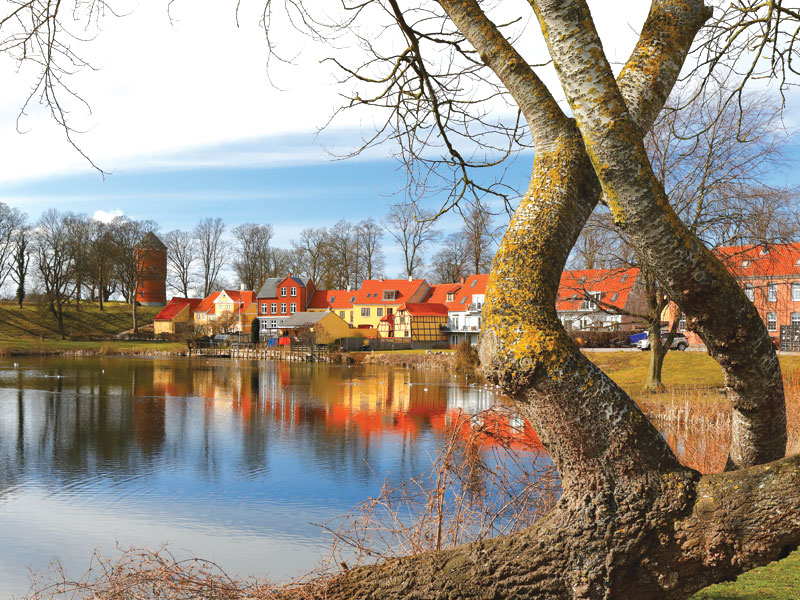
(43, 347)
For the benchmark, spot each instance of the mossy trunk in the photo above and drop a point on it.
(658, 351)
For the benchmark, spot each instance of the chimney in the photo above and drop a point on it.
(410, 278)
(241, 287)
(349, 288)
(462, 281)
(289, 274)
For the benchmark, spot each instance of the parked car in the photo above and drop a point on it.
(679, 342)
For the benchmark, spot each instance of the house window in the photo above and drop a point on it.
(352, 299)
(623, 278)
(293, 291)
(293, 307)
(772, 292)
(273, 308)
(455, 322)
(463, 300)
(796, 291)
(283, 308)
(341, 313)
(351, 316)
(474, 281)
(379, 312)
(451, 296)
(749, 292)
(332, 299)
(389, 310)
(264, 308)
(615, 296)
(364, 312)
(745, 264)
(389, 294)
(283, 292)
(590, 303)
(795, 319)
(772, 321)
(682, 324)
(273, 324)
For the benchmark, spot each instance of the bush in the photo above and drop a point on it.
(466, 357)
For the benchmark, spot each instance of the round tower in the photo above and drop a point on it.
(152, 258)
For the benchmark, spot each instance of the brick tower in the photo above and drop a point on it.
(152, 288)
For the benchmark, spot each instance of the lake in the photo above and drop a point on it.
(234, 461)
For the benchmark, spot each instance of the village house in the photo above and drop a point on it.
(235, 310)
(281, 297)
(320, 327)
(380, 297)
(204, 314)
(418, 322)
(598, 298)
(465, 306)
(338, 301)
(178, 310)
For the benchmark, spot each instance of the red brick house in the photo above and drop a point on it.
(588, 298)
(279, 298)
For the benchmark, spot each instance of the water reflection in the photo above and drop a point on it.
(231, 460)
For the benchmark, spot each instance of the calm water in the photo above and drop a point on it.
(232, 461)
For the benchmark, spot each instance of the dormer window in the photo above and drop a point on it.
(474, 281)
(590, 303)
(389, 294)
(745, 264)
(333, 298)
(352, 299)
(623, 278)
(451, 296)
(615, 296)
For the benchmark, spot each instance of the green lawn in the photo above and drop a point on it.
(776, 581)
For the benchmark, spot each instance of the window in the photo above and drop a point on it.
(379, 312)
(745, 264)
(624, 278)
(293, 291)
(795, 319)
(682, 324)
(365, 312)
(273, 324)
(283, 292)
(583, 278)
(772, 292)
(283, 308)
(455, 322)
(351, 316)
(389, 294)
(590, 303)
(615, 296)
(463, 300)
(796, 291)
(352, 299)
(749, 292)
(389, 310)
(772, 321)
(341, 313)
(474, 281)
(451, 296)
(264, 308)
(293, 307)
(273, 308)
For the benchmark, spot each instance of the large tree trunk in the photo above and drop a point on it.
(658, 351)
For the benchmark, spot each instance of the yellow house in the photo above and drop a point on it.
(236, 308)
(380, 297)
(325, 327)
(204, 315)
(179, 310)
(421, 322)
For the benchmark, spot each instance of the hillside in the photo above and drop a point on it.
(34, 321)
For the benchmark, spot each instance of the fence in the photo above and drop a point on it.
(377, 344)
(790, 338)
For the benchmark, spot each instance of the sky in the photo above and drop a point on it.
(188, 123)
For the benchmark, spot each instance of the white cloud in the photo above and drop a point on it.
(106, 216)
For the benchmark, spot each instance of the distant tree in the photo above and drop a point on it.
(451, 263)
(369, 235)
(212, 251)
(54, 262)
(11, 220)
(100, 256)
(20, 259)
(478, 239)
(312, 248)
(253, 256)
(131, 257)
(80, 229)
(181, 257)
(412, 228)
(342, 254)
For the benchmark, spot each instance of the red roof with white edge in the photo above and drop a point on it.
(332, 299)
(424, 309)
(207, 304)
(769, 260)
(614, 286)
(176, 305)
(242, 299)
(371, 291)
(474, 284)
(438, 294)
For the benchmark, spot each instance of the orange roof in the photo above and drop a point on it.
(176, 305)
(207, 304)
(371, 291)
(426, 309)
(243, 299)
(438, 294)
(756, 260)
(332, 299)
(614, 286)
(474, 284)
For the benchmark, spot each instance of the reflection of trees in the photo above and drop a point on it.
(92, 420)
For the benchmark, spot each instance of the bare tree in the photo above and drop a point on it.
(451, 263)
(131, 254)
(181, 256)
(100, 252)
(312, 247)
(343, 255)
(20, 260)
(372, 261)
(412, 229)
(54, 262)
(212, 251)
(477, 234)
(252, 253)
(11, 219)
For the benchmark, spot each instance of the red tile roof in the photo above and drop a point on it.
(242, 299)
(176, 305)
(207, 304)
(371, 291)
(474, 284)
(332, 299)
(614, 285)
(426, 309)
(761, 261)
(438, 294)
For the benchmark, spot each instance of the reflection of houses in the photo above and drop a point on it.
(281, 297)
(590, 298)
(179, 310)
